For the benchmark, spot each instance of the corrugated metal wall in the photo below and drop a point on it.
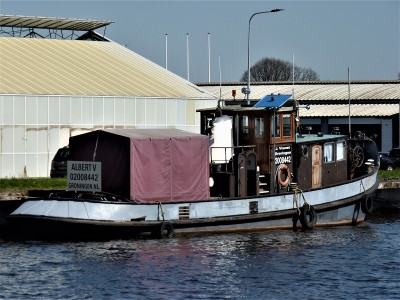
(387, 130)
(32, 128)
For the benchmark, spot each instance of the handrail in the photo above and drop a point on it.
(229, 153)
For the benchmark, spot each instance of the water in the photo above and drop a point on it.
(334, 263)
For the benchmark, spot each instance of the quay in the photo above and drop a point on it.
(387, 196)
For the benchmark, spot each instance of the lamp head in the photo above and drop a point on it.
(245, 90)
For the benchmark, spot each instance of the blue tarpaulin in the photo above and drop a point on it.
(273, 101)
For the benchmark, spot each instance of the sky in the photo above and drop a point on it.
(329, 37)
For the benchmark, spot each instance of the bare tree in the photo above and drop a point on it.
(398, 75)
(272, 69)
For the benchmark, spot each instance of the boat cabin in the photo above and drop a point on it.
(260, 149)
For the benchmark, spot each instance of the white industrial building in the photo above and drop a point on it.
(74, 80)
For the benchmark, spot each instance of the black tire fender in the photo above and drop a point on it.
(308, 216)
(367, 204)
(166, 230)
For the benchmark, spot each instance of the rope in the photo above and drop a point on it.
(95, 147)
(296, 197)
(362, 184)
(162, 211)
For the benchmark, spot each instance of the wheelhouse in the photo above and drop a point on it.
(261, 149)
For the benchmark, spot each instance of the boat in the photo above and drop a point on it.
(251, 168)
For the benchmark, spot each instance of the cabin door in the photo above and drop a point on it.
(316, 166)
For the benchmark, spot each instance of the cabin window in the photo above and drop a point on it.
(287, 125)
(328, 152)
(283, 126)
(277, 131)
(244, 127)
(259, 127)
(340, 150)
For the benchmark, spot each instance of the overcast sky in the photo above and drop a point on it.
(326, 36)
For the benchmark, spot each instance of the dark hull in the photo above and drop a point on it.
(345, 211)
(49, 228)
(58, 229)
(6, 208)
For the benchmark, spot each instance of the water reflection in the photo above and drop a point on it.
(340, 262)
(384, 218)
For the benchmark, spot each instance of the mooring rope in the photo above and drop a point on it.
(162, 211)
(296, 196)
(362, 184)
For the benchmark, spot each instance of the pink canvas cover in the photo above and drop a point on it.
(169, 165)
(148, 164)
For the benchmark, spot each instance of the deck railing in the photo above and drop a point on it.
(222, 158)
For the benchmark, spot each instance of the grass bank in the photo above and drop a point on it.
(389, 175)
(22, 185)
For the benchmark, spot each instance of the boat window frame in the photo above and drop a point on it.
(332, 145)
(344, 150)
(244, 127)
(278, 127)
(259, 127)
(285, 125)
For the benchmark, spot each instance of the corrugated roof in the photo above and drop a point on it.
(326, 99)
(51, 23)
(92, 68)
(314, 91)
(153, 133)
(356, 110)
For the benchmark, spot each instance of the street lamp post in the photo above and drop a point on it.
(246, 90)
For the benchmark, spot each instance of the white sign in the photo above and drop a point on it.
(283, 154)
(84, 176)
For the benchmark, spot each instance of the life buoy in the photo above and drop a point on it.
(283, 169)
(367, 204)
(166, 230)
(308, 216)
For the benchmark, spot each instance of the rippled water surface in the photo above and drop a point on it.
(360, 262)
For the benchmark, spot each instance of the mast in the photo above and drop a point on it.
(348, 76)
(166, 51)
(209, 59)
(187, 56)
